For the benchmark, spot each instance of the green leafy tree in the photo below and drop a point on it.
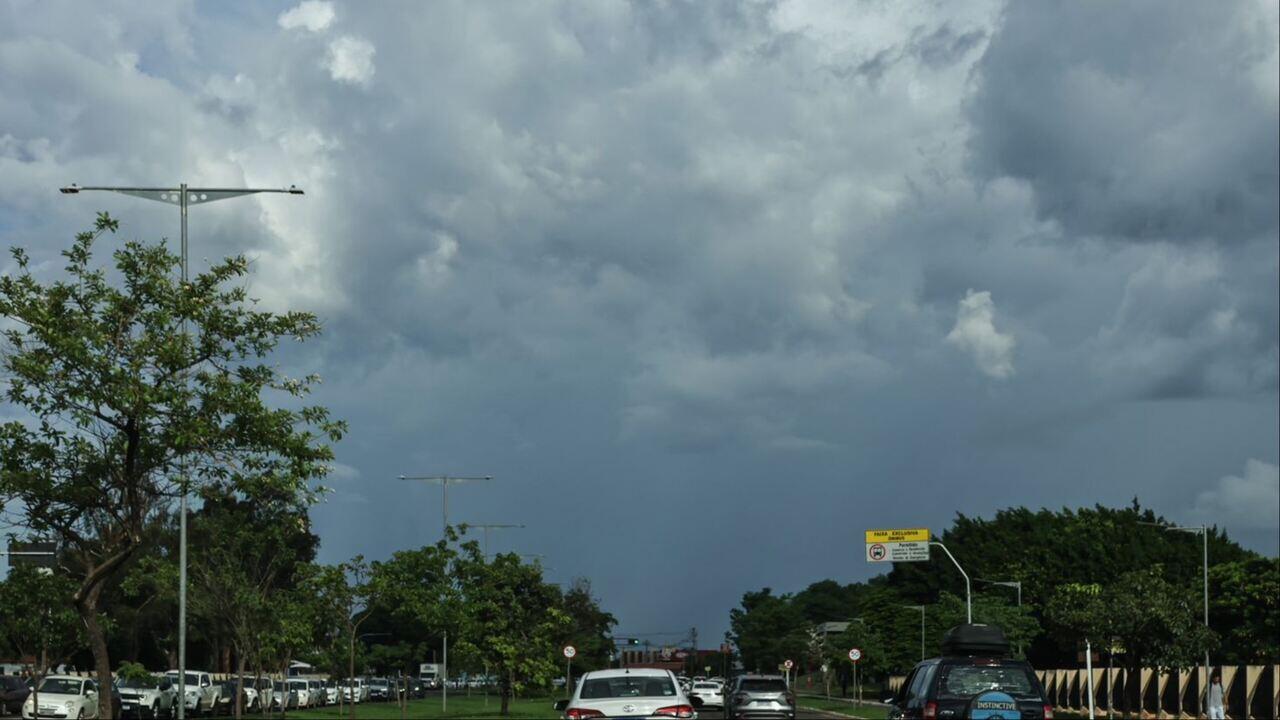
(768, 629)
(513, 619)
(1244, 601)
(249, 554)
(590, 627)
(38, 620)
(138, 386)
(339, 597)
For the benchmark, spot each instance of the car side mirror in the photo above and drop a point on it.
(696, 701)
(560, 706)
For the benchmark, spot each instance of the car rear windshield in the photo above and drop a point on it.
(762, 686)
(58, 686)
(11, 682)
(965, 681)
(625, 687)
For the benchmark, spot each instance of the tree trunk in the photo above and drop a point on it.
(506, 690)
(239, 711)
(87, 607)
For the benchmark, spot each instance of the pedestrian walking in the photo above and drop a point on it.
(1217, 711)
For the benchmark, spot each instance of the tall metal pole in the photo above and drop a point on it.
(968, 591)
(183, 195)
(444, 686)
(182, 505)
(1204, 533)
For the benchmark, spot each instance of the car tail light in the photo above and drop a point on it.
(931, 711)
(676, 711)
(1048, 712)
(582, 713)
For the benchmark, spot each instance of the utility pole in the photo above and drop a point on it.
(182, 196)
(921, 609)
(1008, 583)
(1203, 531)
(444, 481)
(486, 527)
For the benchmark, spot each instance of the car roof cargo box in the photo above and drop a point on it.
(975, 640)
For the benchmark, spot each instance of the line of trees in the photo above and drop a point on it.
(1110, 575)
(133, 388)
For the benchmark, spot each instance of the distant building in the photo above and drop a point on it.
(827, 629)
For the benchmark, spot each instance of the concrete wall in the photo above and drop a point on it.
(1252, 691)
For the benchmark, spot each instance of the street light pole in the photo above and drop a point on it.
(921, 609)
(444, 481)
(1203, 531)
(1008, 583)
(486, 527)
(968, 591)
(182, 196)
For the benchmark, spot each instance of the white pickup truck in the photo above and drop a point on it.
(199, 693)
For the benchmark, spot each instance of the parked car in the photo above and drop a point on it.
(283, 697)
(250, 697)
(199, 694)
(379, 689)
(262, 692)
(711, 693)
(303, 689)
(355, 691)
(149, 697)
(760, 696)
(13, 692)
(632, 692)
(63, 696)
(975, 674)
(331, 691)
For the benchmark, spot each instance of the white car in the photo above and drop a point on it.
(199, 694)
(151, 697)
(331, 692)
(710, 693)
(629, 693)
(303, 688)
(63, 696)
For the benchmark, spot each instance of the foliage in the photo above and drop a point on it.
(39, 620)
(1244, 600)
(589, 627)
(768, 629)
(137, 387)
(134, 671)
(513, 619)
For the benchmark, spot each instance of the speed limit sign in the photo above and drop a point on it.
(788, 664)
(570, 651)
(855, 654)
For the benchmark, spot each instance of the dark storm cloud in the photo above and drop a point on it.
(667, 272)
(1143, 121)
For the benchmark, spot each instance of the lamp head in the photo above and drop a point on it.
(71, 189)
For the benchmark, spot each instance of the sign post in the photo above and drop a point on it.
(569, 652)
(787, 665)
(854, 656)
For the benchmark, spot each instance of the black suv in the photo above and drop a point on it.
(974, 678)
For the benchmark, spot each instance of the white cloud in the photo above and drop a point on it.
(350, 60)
(1251, 501)
(314, 15)
(975, 333)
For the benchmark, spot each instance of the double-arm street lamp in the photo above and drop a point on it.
(181, 196)
(444, 481)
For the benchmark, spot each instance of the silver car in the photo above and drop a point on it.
(760, 696)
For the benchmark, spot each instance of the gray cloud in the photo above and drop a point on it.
(635, 256)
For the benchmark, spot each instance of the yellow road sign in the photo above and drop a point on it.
(893, 536)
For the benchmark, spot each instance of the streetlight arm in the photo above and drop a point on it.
(172, 195)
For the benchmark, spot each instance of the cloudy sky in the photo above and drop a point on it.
(709, 288)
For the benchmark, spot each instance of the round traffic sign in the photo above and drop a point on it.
(877, 551)
(855, 654)
(570, 651)
(788, 664)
